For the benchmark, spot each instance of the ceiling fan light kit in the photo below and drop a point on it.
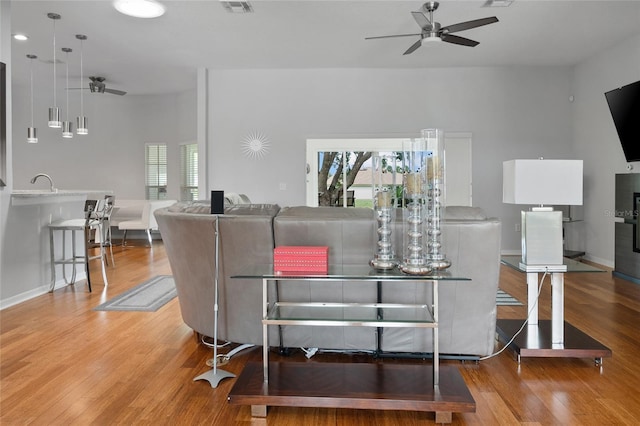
(139, 8)
(432, 31)
(435, 39)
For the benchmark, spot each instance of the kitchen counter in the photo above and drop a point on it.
(21, 197)
(27, 239)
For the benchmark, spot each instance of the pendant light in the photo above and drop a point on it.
(54, 111)
(32, 136)
(81, 124)
(67, 126)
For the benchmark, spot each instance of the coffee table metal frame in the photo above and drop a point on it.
(346, 314)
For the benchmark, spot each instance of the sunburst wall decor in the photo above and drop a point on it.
(255, 145)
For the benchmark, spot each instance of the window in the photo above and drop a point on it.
(339, 173)
(156, 171)
(358, 190)
(188, 172)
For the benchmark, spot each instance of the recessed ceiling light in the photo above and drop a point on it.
(21, 37)
(139, 8)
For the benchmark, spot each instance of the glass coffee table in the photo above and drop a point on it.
(554, 338)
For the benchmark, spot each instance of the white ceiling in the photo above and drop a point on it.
(150, 56)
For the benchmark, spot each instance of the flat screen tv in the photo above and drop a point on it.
(624, 104)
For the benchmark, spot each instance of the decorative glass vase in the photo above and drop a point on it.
(434, 140)
(384, 209)
(415, 196)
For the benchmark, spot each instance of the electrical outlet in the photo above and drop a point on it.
(283, 186)
(517, 227)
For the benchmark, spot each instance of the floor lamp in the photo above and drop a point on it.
(215, 375)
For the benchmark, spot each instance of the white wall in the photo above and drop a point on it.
(520, 112)
(5, 192)
(596, 142)
(111, 156)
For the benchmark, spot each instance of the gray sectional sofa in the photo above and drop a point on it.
(248, 234)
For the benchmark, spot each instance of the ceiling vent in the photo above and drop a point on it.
(237, 6)
(498, 3)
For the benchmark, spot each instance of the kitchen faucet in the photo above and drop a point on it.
(53, 189)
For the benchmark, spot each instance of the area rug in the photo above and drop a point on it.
(505, 299)
(149, 296)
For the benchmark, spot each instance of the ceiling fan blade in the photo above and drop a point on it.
(450, 38)
(413, 47)
(463, 26)
(395, 35)
(422, 20)
(115, 92)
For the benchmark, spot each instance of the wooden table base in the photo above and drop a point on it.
(375, 386)
(536, 341)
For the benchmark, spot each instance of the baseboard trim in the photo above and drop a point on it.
(38, 291)
(626, 277)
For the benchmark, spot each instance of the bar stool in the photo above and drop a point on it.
(103, 233)
(90, 222)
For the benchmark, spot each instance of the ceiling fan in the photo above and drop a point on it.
(97, 85)
(433, 31)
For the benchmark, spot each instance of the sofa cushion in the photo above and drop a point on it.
(195, 207)
(204, 207)
(464, 213)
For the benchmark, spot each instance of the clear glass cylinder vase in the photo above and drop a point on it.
(384, 209)
(415, 198)
(434, 141)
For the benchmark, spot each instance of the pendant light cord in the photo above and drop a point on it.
(81, 79)
(54, 63)
(31, 60)
(67, 60)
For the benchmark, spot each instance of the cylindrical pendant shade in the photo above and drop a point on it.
(32, 136)
(67, 129)
(82, 128)
(54, 117)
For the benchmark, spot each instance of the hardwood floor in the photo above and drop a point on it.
(64, 363)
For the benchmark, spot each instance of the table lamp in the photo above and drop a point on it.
(542, 183)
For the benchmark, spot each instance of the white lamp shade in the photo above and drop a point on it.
(539, 182)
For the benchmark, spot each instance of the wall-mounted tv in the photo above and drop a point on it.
(624, 104)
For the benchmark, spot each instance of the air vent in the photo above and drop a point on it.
(497, 3)
(237, 6)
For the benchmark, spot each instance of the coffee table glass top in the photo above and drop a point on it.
(572, 265)
(345, 273)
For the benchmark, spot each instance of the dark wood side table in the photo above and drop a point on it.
(377, 386)
(553, 338)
